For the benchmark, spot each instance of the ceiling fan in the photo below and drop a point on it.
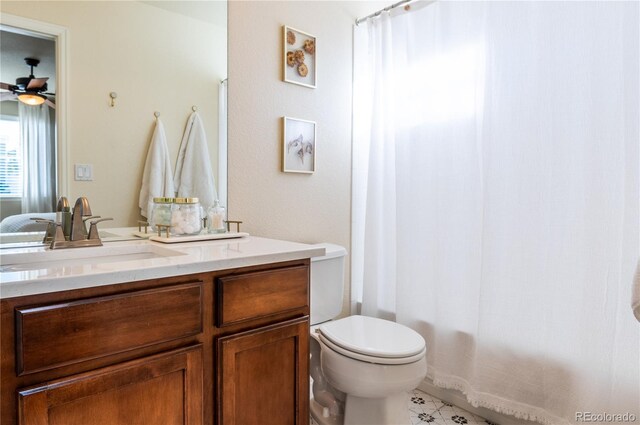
(29, 90)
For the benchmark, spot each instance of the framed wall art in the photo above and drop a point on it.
(299, 57)
(298, 145)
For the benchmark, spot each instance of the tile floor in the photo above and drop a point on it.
(424, 409)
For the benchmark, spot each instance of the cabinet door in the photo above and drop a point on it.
(165, 389)
(263, 376)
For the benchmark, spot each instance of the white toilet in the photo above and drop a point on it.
(361, 367)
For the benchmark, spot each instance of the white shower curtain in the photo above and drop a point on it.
(496, 198)
(38, 163)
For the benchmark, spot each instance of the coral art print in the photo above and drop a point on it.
(299, 57)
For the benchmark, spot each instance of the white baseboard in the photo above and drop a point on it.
(458, 399)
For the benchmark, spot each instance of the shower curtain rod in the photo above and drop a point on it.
(379, 12)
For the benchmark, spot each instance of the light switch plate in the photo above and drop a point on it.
(83, 172)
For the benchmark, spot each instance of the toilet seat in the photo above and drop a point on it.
(372, 359)
(373, 340)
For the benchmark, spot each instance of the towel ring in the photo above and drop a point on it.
(156, 114)
(194, 108)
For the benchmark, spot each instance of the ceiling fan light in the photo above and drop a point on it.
(32, 99)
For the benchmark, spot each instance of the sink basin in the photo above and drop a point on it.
(82, 256)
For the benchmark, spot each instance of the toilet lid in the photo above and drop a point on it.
(373, 337)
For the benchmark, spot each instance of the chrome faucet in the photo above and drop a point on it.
(78, 235)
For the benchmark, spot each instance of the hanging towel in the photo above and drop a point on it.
(635, 300)
(157, 179)
(194, 175)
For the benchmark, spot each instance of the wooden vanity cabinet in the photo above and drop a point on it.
(263, 375)
(222, 348)
(160, 389)
(263, 372)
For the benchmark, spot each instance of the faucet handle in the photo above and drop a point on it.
(59, 240)
(59, 234)
(54, 233)
(41, 220)
(93, 230)
(101, 219)
(50, 233)
(84, 223)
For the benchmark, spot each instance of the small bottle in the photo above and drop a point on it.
(215, 218)
(186, 217)
(161, 212)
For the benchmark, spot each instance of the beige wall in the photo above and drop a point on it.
(155, 60)
(305, 208)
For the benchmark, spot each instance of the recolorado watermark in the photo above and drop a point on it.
(604, 417)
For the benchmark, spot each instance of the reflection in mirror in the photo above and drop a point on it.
(27, 132)
(165, 56)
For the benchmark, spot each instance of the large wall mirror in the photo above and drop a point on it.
(166, 57)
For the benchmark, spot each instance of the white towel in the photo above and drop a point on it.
(194, 175)
(157, 178)
(635, 298)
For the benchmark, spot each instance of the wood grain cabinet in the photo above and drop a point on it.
(162, 389)
(228, 347)
(263, 375)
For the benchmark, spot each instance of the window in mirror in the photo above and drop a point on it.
(10, 158)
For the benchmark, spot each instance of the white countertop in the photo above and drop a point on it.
(194, 257)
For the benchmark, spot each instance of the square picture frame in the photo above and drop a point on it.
(299, 57)
(298, 145)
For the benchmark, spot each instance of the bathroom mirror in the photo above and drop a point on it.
(168, 57)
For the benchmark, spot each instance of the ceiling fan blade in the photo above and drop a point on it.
(36, 83)
(50, 103)
(7, 96)
(6, 86)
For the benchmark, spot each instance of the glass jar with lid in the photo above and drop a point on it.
(216, 218)
(186, 216)
(161, 212)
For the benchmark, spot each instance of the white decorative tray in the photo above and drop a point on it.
(200, 237)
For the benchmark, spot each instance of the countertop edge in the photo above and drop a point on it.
(26, 287)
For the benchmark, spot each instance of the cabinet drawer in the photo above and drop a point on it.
(61, 334)
(253, 295)
(161, 389)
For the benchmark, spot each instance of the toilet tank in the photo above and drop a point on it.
(327, 283)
